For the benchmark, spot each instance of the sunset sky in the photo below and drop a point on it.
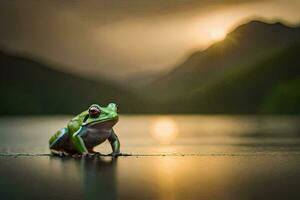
(121, 39)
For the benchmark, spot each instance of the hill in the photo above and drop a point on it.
(270, 86)
(30, 87)
(234, 75)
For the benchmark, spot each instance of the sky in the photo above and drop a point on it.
(120, 39)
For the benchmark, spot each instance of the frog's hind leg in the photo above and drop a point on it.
(58, 141)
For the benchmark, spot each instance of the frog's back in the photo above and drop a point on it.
(61, 140)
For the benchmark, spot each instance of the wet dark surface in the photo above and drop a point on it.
(198, 162)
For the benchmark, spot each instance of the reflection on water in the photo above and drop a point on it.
(164, 130)
(57, 178)
(210, 177)
(95, 176)
(236, 158)
(99, 178)
(204, 177)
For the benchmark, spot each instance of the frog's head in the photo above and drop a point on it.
(98, 115)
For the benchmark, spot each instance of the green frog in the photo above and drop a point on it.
(87, 130)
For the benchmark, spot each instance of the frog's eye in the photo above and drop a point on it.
(94, 111)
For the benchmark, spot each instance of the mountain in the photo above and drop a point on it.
(235, 75)
(29, 87)
(255, 70)
(251, 90)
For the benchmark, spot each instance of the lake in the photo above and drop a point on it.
(172, 157)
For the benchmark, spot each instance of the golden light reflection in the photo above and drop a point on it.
(164, 130)
(217, 34)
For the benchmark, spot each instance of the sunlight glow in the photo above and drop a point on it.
(164, 130)
(217, 34)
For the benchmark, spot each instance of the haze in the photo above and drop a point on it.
(123, 39)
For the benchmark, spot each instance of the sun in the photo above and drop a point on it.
(217, 34)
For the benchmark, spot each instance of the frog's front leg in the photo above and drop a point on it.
(79, 143)
(115, 143)
(80, 146)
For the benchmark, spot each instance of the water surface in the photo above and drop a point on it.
(174, 157)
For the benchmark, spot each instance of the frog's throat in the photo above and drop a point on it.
(101, 121)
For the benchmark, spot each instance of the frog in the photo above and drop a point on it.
(87, 130)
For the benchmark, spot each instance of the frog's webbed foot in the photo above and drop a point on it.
(60, 153)
(87, 155)
(115, 154)
(76, 155)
